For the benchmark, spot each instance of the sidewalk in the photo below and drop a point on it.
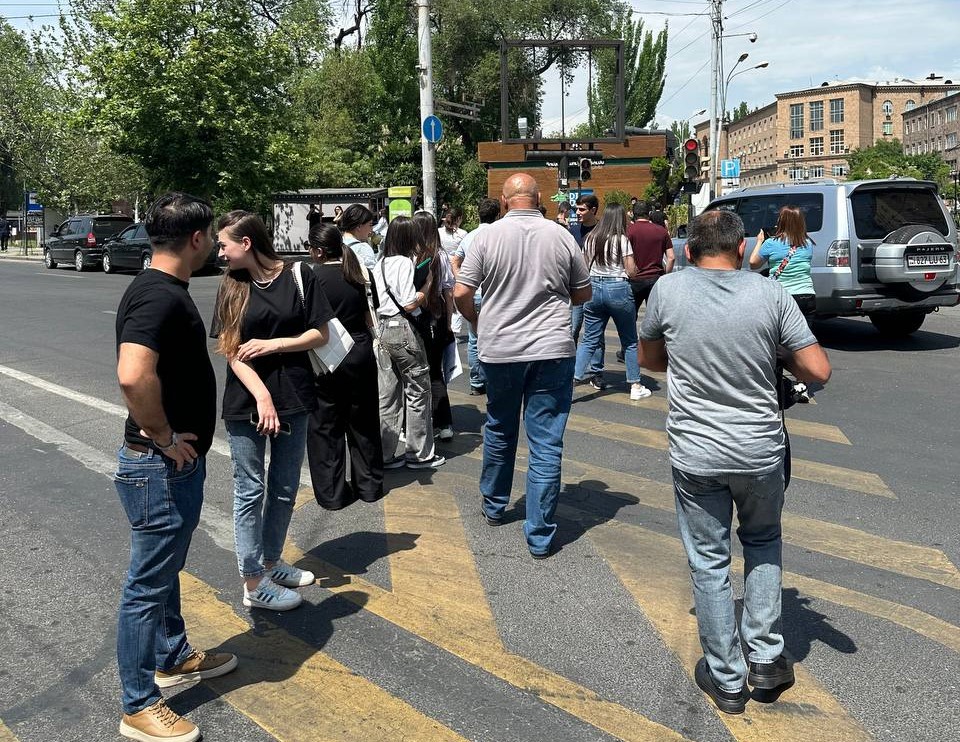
(14, 252)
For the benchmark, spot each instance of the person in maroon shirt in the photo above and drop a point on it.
(651, 244)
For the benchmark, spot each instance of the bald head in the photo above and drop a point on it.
(521, 192)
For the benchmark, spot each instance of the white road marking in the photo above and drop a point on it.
(109, 311)
(218, 526)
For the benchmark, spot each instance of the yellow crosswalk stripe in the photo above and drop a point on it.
(806, 711)
(866, 483)
(804, 428)
(898, 557)
(5, 734)
(292, 689)
(437, 595)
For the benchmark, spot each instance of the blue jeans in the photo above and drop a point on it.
(544, 390)
(477, 379)
(705, 514)
(576, 324)
(163, 507)
(260, 523)
(612, 298)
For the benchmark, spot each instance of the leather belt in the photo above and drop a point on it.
(139, 447)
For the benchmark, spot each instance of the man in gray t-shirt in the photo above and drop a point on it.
(718, 331)
(530, 270)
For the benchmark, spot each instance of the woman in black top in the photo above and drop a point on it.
(264, 328)
(347, 413)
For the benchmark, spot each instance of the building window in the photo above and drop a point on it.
(951, 114)
(951, 140)
(887, 108)
(795, 173)
(816, 171)
(836, 110)
(816, 146)
(909, 105)
(838, 170)
(796, 150)
(816, 116)
(836, 141)
(887, 128)
(796, 121)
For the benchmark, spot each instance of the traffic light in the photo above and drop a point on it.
(691, 167)
(585, 166)
(573, 170)
(691, 160)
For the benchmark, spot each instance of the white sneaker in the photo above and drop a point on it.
(271, 596)
(289, 576)
(639, 391)
(445, 434)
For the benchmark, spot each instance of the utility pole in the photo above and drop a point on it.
(425, 69)
(716, 24)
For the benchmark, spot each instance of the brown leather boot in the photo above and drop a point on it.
(158, 723)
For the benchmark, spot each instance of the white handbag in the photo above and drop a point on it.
(330, 355)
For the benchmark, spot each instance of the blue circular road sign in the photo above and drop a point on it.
(432, 129)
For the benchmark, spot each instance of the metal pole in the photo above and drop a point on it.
(716, 25)
(426, 105)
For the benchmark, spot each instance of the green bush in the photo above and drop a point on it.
(617, 197)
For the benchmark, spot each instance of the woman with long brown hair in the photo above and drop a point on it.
(789, 253)
(347, 413)
(264, 328)
(433, 262)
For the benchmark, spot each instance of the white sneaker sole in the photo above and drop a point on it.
(188, 677)
(278, 606)
(130, 733)
(306, 578)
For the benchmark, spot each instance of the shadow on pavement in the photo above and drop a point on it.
(857, 336)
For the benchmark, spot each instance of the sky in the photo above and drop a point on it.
(805, 42)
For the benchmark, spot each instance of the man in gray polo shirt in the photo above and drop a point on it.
(530, 270)
(717, 331)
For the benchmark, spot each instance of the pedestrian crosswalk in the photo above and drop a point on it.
(437, 597)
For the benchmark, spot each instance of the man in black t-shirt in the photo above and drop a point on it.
(170, 390)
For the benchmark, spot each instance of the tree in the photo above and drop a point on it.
(739, 112)
(886, 158)
(644, 61)
(192, 92)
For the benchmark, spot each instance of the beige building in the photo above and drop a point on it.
(934, 127)
(807, 134)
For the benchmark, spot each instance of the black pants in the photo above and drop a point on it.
(641, 289)
(347, 416)
(3, 241)
(442, 414)
(807, 303)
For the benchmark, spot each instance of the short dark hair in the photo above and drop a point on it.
(402, 238)
(714, 233)
(488, 210)
(641, 210)
(354, 216)
(173, 217)
(591, 202)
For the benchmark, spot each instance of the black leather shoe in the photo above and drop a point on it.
(620, 356)
(491, 521)
(770, 675)
(477, 391)
(727, 702)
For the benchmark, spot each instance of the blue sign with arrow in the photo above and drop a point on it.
(432, 129)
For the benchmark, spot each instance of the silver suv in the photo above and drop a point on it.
(883, 248)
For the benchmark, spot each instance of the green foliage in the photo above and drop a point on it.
(739, 112)
(645, 62)
(193, 92)
(676, 215)
(617, 197)
(886, 158)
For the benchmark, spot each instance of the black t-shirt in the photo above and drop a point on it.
(273, 312)
(157, 312)
(347, 300)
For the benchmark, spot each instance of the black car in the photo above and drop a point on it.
(131, 250)
(79, 240)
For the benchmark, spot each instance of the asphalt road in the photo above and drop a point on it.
(427, 624)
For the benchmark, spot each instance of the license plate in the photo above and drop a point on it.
(923, 261)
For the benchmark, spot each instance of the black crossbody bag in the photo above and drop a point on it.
(421, 323)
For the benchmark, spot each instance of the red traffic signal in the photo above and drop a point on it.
(691, 159)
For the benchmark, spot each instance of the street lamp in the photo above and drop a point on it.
(721, 120)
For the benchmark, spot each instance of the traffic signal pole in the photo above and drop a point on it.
(716, 24)
(425, 68)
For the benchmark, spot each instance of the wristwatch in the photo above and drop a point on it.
(174, 440)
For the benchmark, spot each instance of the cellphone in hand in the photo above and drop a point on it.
(284, 427)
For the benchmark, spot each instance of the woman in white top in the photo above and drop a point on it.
(610, 261)
(403, 324)
(450, 233)
(356, 225)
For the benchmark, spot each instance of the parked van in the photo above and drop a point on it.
(885, 249)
